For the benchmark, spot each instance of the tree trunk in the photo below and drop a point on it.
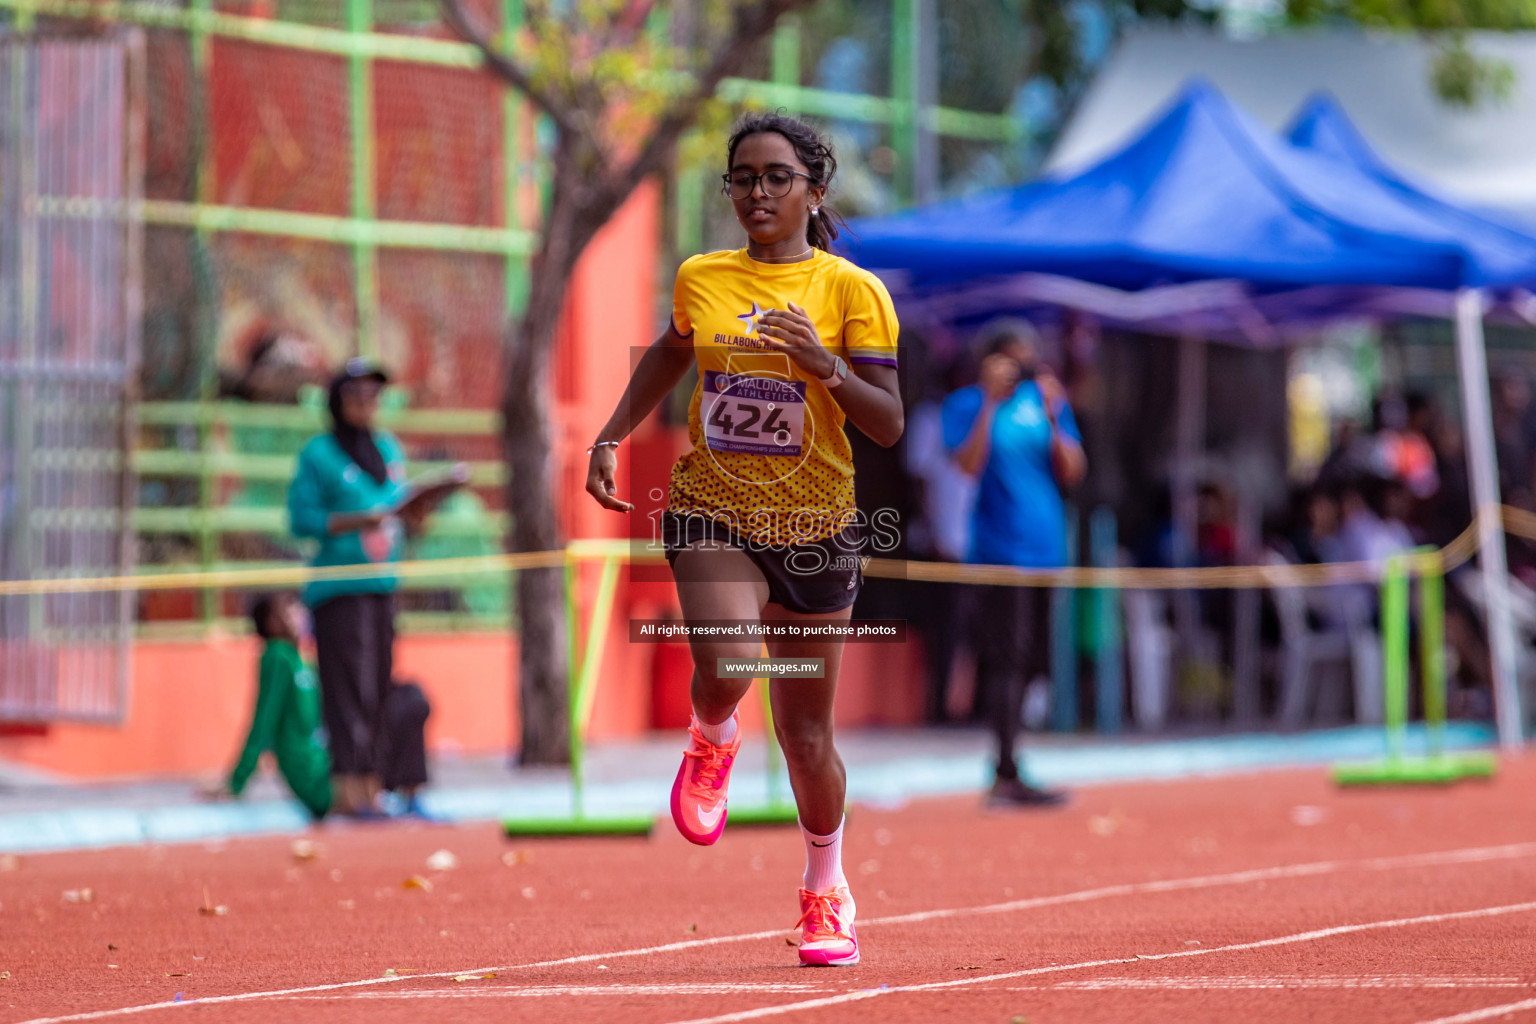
(540, 622)
(527, 414)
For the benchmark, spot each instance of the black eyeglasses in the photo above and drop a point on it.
(776, 183)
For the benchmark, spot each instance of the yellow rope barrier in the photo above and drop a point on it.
(1516, 521)
(1223, 577)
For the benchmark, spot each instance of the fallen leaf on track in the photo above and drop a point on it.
(473, 977)
(111, 946)
(5, 975)
(208, 909)
(969, 967)
(790, 942)
(416, 882)
(79, 896)
(176, 974)
(1308, 815)
(304, 849)
(442, 860)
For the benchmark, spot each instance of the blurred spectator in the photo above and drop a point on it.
(1350, 457)
(1015, 433)
(947, 493)
(1373, 525)
(1215, 526)
(286, 719)
(1448, 512)
(1511, 406)
(348, 487)
(1401, 445)
(945, 499)
(1314, 528)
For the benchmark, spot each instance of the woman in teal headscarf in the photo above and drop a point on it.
(345, 495)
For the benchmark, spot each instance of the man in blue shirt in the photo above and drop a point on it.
(1014, 431)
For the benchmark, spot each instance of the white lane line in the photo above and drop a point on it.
(1282, 940)
(578, 991)
(1205, 984)
(1487, 1013)
(1326, 867)
(1469, 855)
(1241, 982)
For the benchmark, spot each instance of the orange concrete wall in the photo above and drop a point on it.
(190, 705)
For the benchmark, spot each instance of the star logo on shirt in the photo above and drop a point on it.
(749, 320)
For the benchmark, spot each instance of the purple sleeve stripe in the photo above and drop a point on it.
(680, 334)
(878, 360)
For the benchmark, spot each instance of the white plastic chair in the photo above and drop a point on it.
(1346, 641)
(1149, 645)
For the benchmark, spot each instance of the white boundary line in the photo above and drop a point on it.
(1283, 940)
(1469, 855)
(1487, 1013)
(584, 991)
(1282, 983)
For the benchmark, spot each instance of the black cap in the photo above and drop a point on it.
(358, 368)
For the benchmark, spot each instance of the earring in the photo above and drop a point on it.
(815, 210)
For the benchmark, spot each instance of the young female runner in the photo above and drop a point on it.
(760, 524)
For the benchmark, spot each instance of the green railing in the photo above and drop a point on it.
(218, 471)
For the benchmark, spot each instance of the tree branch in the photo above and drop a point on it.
(752, 25)
(507, 69)
(627, 23)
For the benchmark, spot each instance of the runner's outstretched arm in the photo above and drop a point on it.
(663, 365)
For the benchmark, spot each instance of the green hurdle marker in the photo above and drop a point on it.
(582, 689)
(778, 810)
(1437, 766)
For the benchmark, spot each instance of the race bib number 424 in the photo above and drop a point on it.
(753, 415)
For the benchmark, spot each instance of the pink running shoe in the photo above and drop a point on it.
(698, 794)
(828, 937)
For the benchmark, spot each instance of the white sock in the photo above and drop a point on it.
(823, 859)
(720, 734)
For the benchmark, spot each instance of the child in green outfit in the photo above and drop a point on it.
(287, 716)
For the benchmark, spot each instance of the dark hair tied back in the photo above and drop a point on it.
(812, 150)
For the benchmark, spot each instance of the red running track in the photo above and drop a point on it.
(1254, 898)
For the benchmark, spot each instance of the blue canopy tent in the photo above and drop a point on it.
(1205, 192)
(1321, 126)
(1207, 225)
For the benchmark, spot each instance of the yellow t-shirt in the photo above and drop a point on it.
(769, 456)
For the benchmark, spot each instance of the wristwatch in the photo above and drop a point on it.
(839, 373)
